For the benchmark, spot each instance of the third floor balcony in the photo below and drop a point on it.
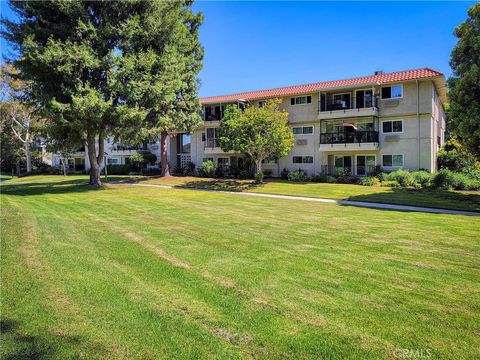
(347, 104)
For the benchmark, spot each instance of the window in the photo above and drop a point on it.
(223, 161)
(112, 161)
(207, 159)
(392, 160)
(301, 100)
(305, 130)
(212, 137)
(364, 99)
(394, 126)
(183, 144)
(392, 92)
(270, 160)
(303, 159)
(261, 104)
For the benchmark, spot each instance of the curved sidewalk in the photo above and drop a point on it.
(365, 204)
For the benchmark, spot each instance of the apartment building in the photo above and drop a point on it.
(115, 154)
(387, 120)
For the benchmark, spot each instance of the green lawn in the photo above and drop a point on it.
(456, 200)
(148, 273)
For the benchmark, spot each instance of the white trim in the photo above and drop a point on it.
(296, 97)
(392, 132)
(393, 166)
(302, 156)
(385, 86)
(366, 89)
(302, 127)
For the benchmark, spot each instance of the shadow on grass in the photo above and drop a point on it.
(442, 199)
(221, 185)
(60, 187)
(16, 345)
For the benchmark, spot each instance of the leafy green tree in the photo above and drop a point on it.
(454, 157)
(12, 150)
(463, 114)
(161, 76)
(259, 132)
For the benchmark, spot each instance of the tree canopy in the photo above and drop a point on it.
(99, 68)
(259, 132)
(464, 111)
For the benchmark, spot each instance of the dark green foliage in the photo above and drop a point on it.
(297, 175)
(284, 174)
(423, 178)
(464, 87)
(369, 181)
(118, 169)
(208, 168)
(323, 178)
(444, 179)
(454, 157)
(403, 177)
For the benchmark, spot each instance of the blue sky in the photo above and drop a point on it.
(259, 45)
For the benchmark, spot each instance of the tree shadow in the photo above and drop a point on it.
(429, 198)
(221, 185)
(17, 345)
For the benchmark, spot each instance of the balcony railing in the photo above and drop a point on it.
(212, 143)
(349, 137)
(352, 103)
(120, 147)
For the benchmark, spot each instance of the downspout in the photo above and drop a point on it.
(418, 120)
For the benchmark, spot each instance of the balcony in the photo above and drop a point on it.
(349, 140)
(348, 107)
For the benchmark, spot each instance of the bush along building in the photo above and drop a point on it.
(356, 126)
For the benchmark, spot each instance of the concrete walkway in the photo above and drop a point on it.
(330, 201)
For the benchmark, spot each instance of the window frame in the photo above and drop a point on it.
(391, 86)
(392, 132)
(293, 100)
(302, 157)
(302, 130)
(393, 166)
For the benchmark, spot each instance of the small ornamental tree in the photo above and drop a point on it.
(259, 132)
(463, 114)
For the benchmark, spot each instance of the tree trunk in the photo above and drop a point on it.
(258, 171)
(164, 160)
(64, 167)
(94, 163)
(28, 156)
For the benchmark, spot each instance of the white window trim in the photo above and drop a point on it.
(394, 166)
(393, 132)
(302, 134)
(390, 98)
(302, 156)
(305, 96)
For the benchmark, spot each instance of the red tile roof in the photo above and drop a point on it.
(308, 88)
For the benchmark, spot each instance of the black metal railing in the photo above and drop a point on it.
(348, 104)
(212, 143)
(122, 147)
(349, 137)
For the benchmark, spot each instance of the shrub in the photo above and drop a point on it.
(259, 177)
(472, 172)
(382, 176)
(473, 184)
(444, 179)
(284, 174)
(267, 173)
(297, 175)
(323, 178)
(390, 183)
(369, 181)
(403, 177)
(152, 171)
(118, 169)
(208, 168)
(461, 181)
(454, 157)
(422, 178)
(244, 174)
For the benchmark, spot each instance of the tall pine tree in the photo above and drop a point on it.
(464, 112)
(101, 68)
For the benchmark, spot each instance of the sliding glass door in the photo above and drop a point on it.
(365, 164)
